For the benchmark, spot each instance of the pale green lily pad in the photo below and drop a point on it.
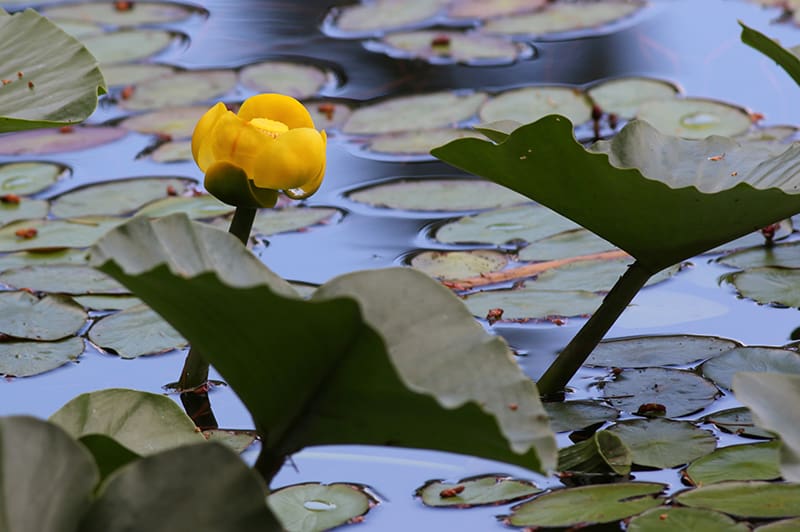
(316, 507)
(624, 96)
(785, 229)
(293, 79)
(80, 29)
(525, 223)
(119, 75)
(238, 440)
(107, 13)
(176, 122)
(52, 317)
(529, 104)
(328, 114)
(107, 302)
(603, 453)
(761, 359)
(173, 152)
(34, 258)
(695, 118)
(453, 47)
(481, 9)
(55, 234)
(596, 275)
(524, 304)
(459, 264)
(413, 113)
(134, 332)
(577, 415)
(273, 221)
(649, 351)
(196, 207)
(752, 461)
(29, 177)
(180, 88)
(680, 392)
(383, 15)
(128, 45)
(24, 359)
(436, 195)
(62, 278)
(587, 505)
(563, 17)
(770, 133)
(115, 197)
(738, 421)
(753, 499)
(475, 491)
(768, 285)
(664, 443)
(47, 141)
(785, 525)
(783, 255)
(670, 519)
(26, 209)
(418, 142)
(572, 243)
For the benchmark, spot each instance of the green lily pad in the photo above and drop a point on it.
(172, 152)
(107, 302)
(785, 229)
(563, 17)
(293, 79)
(624, 96)
(475, 491)
(680, 392)
(37, 258)
(196, 207)
(695, 118)
(108, 454)
(525, 223)
(47, 141)
(768, 285)
(119, 75)
(128, 44)
(436, 195)
(667, 350)
(604, 452)
(752, 461)
(587, 505)
(80, 29)
(784, 525)
(664, 443)
(383, 15)
(237, 440)
(417, 143)
(527, 303)
(759, 359)
(61, 278)
(180, 88)
(481, 9)
(596, 275)
(413, 113)
(738, 421)
(316, 507)
(439, 47)
(55, 234)
(770, 133)
(273, 221)
(669, 519)
(328, 114)
(134, 332)
(753, 499)
(571, 243)
(26, 209)
(459, 264)
(529, 104)
(783, 255)
(577, 415)
(24, 359)
(175, 122)
(140, 13)
(52, 317)
(29, 177)
(115, 197)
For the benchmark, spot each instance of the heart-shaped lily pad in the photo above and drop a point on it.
(47, 141)
(667, 350)
(752, 461)
(664, 443)
(29, 177)
(80, 29)
(416, 143)
(52, 317)
(24, 359)
(695, 118)
(196, 207)
(180, 88)
(577, 415)
(669, 519)
(784, 229)
(129, 44)
(721, 369)
(316, 507)
(328, 114)
(561, 17)
(54, 234)
(134, 332)
(24, 209)
(172, 152)
(293, 79)
(440, 47)
(459, 264)
(527, 303)
(118, 75)
(236, 439)
(529, 104)
(624, 96)
(62, 278)
(596, 275)
(362, 19)
(570, 243)
(475, 491)
(118, 14)
(36, 258)
(783, 255)
(738, 421)
(115, 197)
(753, 499)
(274, 221)
(784, 525)
(176, 122)
(768, 285)
(482, 9)
(107, 302)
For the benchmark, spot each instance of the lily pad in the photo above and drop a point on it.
(196, 207)
(47, 141)
(695, 118)
(768, 285)
(563, 17)
(37, 258)
(475, 491)
(139, 14)
(738, 421)
(752, 500)
(527, 303)
(412, 113)
(293, 79)
(54, 234)
(529, 104)
(180, 88)
(669, 519)
(649, 351)
(783, 255)
(664, 443)
(134, 332)
(417, 143)
(572, 243)
(235, 439)
(624, 96)
(785, 525)
(316, 507)
(172, 152)
(436, 195)
(383, 15)
(760, 359)
(118, 75)
(24, 359)
(107, 302)
(175, 122)
(577, 415)
(273, 221)
(328, 114)
(481, 9)
(25, 209)
(587, 505)
(784, 229)
(752, 461)
(603, 453)
(115, 197)
(596, 275)
(61, 278)
(680, 392)
(440, 47)
(52, 317)
(79, 29)
(29, 177)
(129, 44)
(458, 264)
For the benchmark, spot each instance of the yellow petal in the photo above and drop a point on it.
(310, 187)
(276, 107)
(201, 145)
(238, 142)
(295, 159)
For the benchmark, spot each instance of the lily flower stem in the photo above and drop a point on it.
(195, 369)
(551, 385)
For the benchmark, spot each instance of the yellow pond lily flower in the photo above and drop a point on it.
(270, 145)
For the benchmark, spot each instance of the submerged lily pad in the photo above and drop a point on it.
(560, 17)
(752, 461)
(383, 15)
(140, 13)
(52, 317)
(649, 351)
(176, 122)
(128, 44)
(273, 221)
(695, 118)
(453, 47)
(47, 141)
(761, 359)
(572, 243)
(26, 209)
(115, 197)
(62, 278)
(417, 143)
(783, 255)
(754, 499)
(475, 491)
(118, 75)
(180, 88)
(459, 264)
(54, 234)
(768, 285)
(196, 207)
(624, 96)
(29, 177)
(134, 332)
(293, 79)
(316, 507)
(737, 421)
(577, 415)
(664, 443)
(529, 104)
(669, 519)
(24, 359)
(527, 303)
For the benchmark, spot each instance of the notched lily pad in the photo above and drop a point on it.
(562, 17)
(752, 461)
(175, 122)
(737, 421)
(595, 275)
(23, 209)
(180, 88)
(273, 221)
(459, 264)
(328, 114)
(293, 79)
(649, 351)
(475, 491)
(664, 443)
(751, 500)
(481, 9)
(196, 207)
(62, 278)
(416, 143)
(446, 46)
(134, 332)
(107, 302)
(67, 139)
(29, 177)
(128, 75)
(139, 13)
(669, 519)
(695, 118)
(316, 507)
(528, 303)
(52, 317)
(529, 104)
(24, 359)
(570, 243)
(172, 152)
(129, 44)
(38, 258)
(783, 255)
(236, 439)
(44, 235)
(116, 197)
(603, 453)
(358, 20)
(762, 359)
(577, 415)
(768, 285)
(624, 96)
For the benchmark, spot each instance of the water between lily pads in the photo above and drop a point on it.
(692, 43)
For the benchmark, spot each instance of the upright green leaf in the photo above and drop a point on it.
(787, 60)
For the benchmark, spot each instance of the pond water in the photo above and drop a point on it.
(693, 43)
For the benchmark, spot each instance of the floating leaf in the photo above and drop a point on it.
(786, 525)
(458, 264)
(54, 234)
(752, 461)
(176, 122)
(525, 223)
(669, 519)
(528, 303)
(38, 258)
(482, 9)
(24, 359)
(664, 443)
(737, 421)
(604, 452)
(273, 221)
(595, 275)
(128, 44)
(172, 152)
(784, 229)
(293, 79)
(680, 392)
(783, 255)
(79, 29)
(195, 207)
(180, 88)
(52, 317)
(107, 302)
(562, 17)
(475, 491)
(383, 15)
(695, 118)
(529, 104)
(237, 440)
(417, 143)
(117, 75)
(328, 114)
(761, 359)
(316, 507)
(115, 197)
(61, 278)
(569, 243)
(452, 47)
(49, 141)
(624, 96)
(139, 14)
(666, 350)
(26, 209)
(577, 415)
(768, 285)
(29, 177)
(752, 500)
(134, 332)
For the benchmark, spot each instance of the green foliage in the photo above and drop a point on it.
(787, 59)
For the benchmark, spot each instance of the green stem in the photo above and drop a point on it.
(551, 385)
